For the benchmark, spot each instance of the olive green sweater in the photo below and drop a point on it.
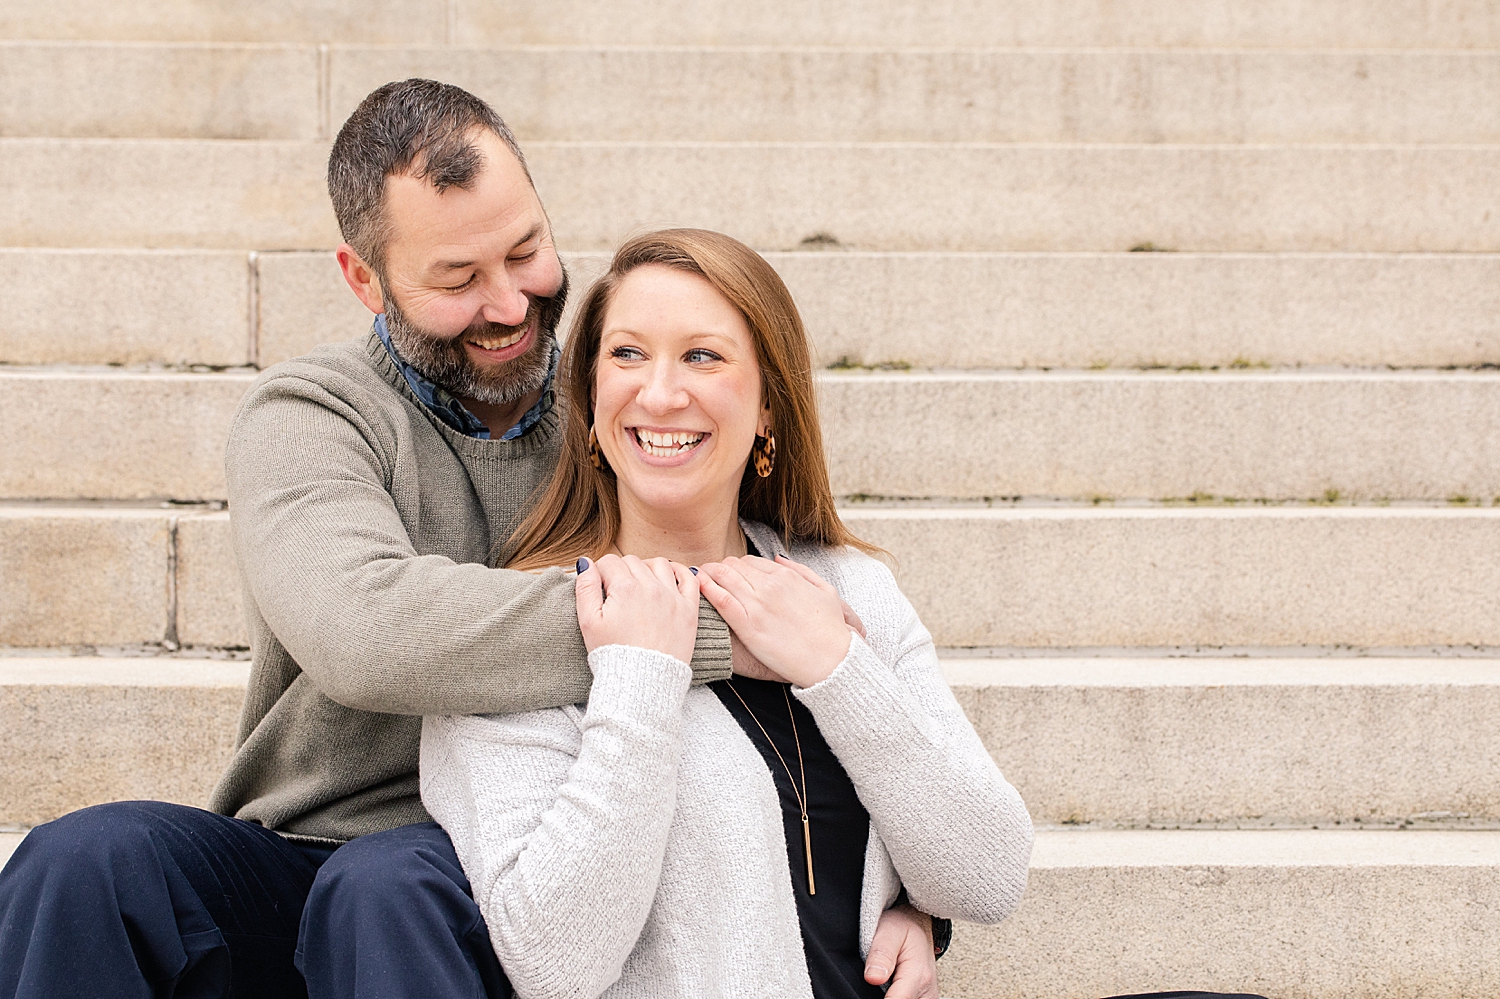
(363, 528)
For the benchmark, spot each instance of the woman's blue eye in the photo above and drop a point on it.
(700, 355)
(625, 353)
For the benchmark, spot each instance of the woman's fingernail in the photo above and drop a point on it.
(693, 569)
(583, 565)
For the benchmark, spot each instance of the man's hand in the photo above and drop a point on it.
(745, 664)
(903, 942)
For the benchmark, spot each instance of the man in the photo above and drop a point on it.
(368, 484)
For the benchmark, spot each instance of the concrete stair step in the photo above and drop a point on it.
(81, 731)
(1359, 435)
(114, 575)
(379, 21)
(131, 307)
(925, 310)
(1109, 741)
(960, 95)
(1013, 575)
(8, 843)
(1124, 740)
(913, 196)
(200, 91)
(1357, 23)
(1156, 910)
(212, 91)
(1292, 914)
(1288, 23)
(1356, 435)
(1082, 576)
(165, 433)
(953, 435)
(165, 193)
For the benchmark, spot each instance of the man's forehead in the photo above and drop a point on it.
(496, 213)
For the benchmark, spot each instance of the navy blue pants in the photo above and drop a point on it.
(146, 900)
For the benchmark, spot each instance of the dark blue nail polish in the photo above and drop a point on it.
(693, 569)
(583, 565)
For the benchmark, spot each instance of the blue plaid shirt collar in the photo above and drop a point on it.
(446, 407)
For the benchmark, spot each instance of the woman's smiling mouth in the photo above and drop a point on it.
(666, 443)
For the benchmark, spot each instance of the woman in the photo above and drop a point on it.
(743, 838)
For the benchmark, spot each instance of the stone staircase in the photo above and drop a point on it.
(1209, 534)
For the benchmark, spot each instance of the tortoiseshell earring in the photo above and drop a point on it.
(595, 458)
(763, 453)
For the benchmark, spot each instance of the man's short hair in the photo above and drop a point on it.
(419, 127)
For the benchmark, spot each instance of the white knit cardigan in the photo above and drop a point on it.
(633, 846)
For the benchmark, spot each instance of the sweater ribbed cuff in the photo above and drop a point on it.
(712, 658)
(642, 684)
(862, 699)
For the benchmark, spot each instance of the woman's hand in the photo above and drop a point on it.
(786, 616)
(647, 603)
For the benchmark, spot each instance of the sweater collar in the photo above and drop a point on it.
(447, 407)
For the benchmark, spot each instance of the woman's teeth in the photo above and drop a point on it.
(666, 445)
(500, 343)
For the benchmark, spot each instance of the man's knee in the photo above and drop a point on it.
(87, 845)
(390, 914)
(390, 869)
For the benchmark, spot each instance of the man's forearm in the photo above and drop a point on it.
(331, 568)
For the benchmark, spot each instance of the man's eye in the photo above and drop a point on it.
(700, 356)
(521, 258)
(461, 287)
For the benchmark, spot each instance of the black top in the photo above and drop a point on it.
(840, 829)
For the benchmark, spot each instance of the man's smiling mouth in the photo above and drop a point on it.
(500, 343)
(668, 444)
(503, 342)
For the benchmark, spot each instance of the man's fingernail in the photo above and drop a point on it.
(878, 969)
(583, 565)
(693, 569)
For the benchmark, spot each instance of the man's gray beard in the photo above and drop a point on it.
(445, 362)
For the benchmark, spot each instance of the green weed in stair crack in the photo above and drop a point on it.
(847, 363)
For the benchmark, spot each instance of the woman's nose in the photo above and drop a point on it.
(663, 390)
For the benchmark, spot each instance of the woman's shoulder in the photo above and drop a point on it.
(852, 572)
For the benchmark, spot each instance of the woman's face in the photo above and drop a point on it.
(677, 394)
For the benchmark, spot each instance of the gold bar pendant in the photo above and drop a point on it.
(812, 886)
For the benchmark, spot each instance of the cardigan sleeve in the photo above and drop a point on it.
(957, 833)
(560, 819)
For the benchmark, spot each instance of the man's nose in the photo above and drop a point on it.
(504, 303)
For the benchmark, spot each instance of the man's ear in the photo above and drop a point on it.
(361, 278)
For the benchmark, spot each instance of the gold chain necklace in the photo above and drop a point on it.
(812, 886)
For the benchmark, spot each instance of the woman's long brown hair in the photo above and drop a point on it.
(579, 513)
